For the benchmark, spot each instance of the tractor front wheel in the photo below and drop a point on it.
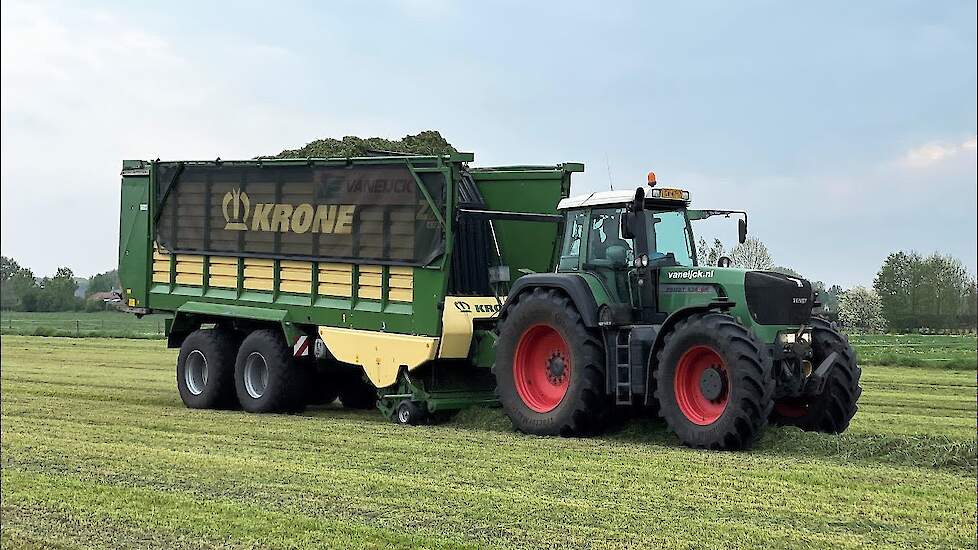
(831, 410)
(713, 383)
(550, 369)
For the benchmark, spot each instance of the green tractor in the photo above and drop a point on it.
(631, 318)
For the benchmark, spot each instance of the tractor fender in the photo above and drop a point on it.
(571, 284)
(722, 305)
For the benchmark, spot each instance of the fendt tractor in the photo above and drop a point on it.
(422, 286)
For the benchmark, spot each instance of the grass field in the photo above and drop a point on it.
(97, 451)
(917, 350)
(103, 324)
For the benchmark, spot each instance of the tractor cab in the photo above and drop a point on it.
(606, 230)
(625, 239)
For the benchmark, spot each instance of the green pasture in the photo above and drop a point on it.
(104, 324)
(98, 451)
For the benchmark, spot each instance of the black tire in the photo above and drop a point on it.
(831, 410)
(409, 413)
(703, 414)
(583, 407)
(355, 390)
(322, 387)
(281, 389)
(205, 370)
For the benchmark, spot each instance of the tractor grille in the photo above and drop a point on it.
(776, 299)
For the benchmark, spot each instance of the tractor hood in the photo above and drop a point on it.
(770, 298)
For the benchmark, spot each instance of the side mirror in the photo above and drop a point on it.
(638, 203)
(626, 225)
(742, 230)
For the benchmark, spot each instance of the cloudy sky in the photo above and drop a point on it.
(846, 129)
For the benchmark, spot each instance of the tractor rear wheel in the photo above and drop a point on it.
(713, 383)
(205, 369)
(831, 410)
(550, 369)
(266, 377)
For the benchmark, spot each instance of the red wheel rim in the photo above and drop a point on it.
(688, 384)
(542, 368)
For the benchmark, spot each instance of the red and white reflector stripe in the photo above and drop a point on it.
(301, 347)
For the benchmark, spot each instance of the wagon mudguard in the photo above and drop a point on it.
(191, 315)
(570, 283)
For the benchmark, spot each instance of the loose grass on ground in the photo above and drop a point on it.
(74, 324)
(99, 452)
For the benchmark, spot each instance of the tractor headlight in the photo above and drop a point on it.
(789, 338)
(642, 261)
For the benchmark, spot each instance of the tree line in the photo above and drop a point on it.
(910, 292)
(934, 292)
(21, 290)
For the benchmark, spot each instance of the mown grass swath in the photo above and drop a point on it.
(99, 452)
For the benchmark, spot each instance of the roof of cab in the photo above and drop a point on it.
(599, 198)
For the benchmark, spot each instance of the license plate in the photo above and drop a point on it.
(671, 194)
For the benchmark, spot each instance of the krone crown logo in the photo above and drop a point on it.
(236, 208)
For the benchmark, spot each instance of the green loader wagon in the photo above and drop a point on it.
(421, 286)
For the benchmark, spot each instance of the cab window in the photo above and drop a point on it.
(669, 234)
(570, 253)
(606, 246)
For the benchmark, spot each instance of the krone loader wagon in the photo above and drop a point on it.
(368, 279)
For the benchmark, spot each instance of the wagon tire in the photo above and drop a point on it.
(322, 386)
(355, 391)
(550, 369)
(713, 383)
(409, 413)
(205, 370)
(267, 378)
(831, 410)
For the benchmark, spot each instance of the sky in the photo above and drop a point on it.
(846, 129)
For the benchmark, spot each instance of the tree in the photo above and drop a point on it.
(58, 292)
(861, 308)
(787, 271)
(829, 297)
(752, 254)
(918, 292)
(946, 280)
(15, 282)
(707, 254)
(968, 311)
(103, 282)
(893, 285)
